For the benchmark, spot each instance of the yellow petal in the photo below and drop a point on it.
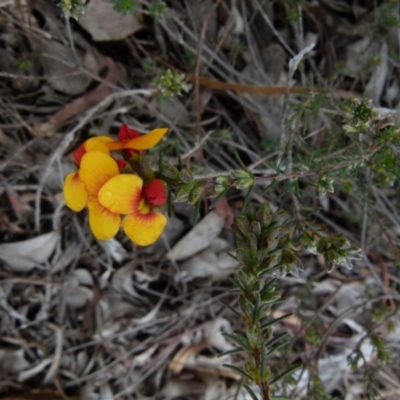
(75, 194)
(144, 142)
(98, 143)
(103, 223)
(144, 229)
(104, 139)
(96, 169)
(121, 194)
(117, 145)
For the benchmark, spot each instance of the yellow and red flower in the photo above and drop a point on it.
(109, 195)
(115, 199)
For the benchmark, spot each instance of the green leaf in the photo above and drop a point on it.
(234, 351)
(178, 156)
(247, 198)
(124, 6)
(271, 186)
(215, 201)
(182, 193)
(274, 321)
(232, 255)
(241, 341)
(240, 371)
(256, 308)
(278, 347)
(239, 160)
(232, 309)
(251, 393)
(280, 376)
(196, 212)
(263, 362)
(276, 339)
(269, 285)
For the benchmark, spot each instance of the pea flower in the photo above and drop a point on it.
(109, 194)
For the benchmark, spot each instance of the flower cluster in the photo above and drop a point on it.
(113, 193)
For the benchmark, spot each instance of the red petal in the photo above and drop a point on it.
(79, 153)
(154, 193)
(121, 164)
(126, 133)
(129, 153)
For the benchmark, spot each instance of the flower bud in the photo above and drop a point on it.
(195, 194)
(243, 179)
(265, 214)
(142, 168)
(243, 224)
(256, 227)
(169, 171)
(185, 175)
(222, 183)
(183, 192)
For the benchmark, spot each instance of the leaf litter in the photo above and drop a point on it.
(93, 320)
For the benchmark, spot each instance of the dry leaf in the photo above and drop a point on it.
(184, 354)
(359, 55)
(115, 249)
(216, 390)
(105, 24)
(176, 388)
(214, 262)
(12, 361)
(213, 366)
(25, 255)
(40, 395)
(77, 294)
(199, 238)
(60, 65)
(376, 82)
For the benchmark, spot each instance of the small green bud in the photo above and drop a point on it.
(262, 255)
(325, 184)
(170, 84)
(73, 8)
(256, 227)
(272, 261)
(267, 373)
(265, 214)
(243, 224)
(243, 179)
(222, 183)
(251, 213)
(195, 194)
(342, 243)
(252, 336)
(157, 8)
(252, 242)
(185, 175)
(183, 192)
(310, 242)
(251, 369)
(169, 171)
(270, 296)
(142, 168)
(289, 259)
